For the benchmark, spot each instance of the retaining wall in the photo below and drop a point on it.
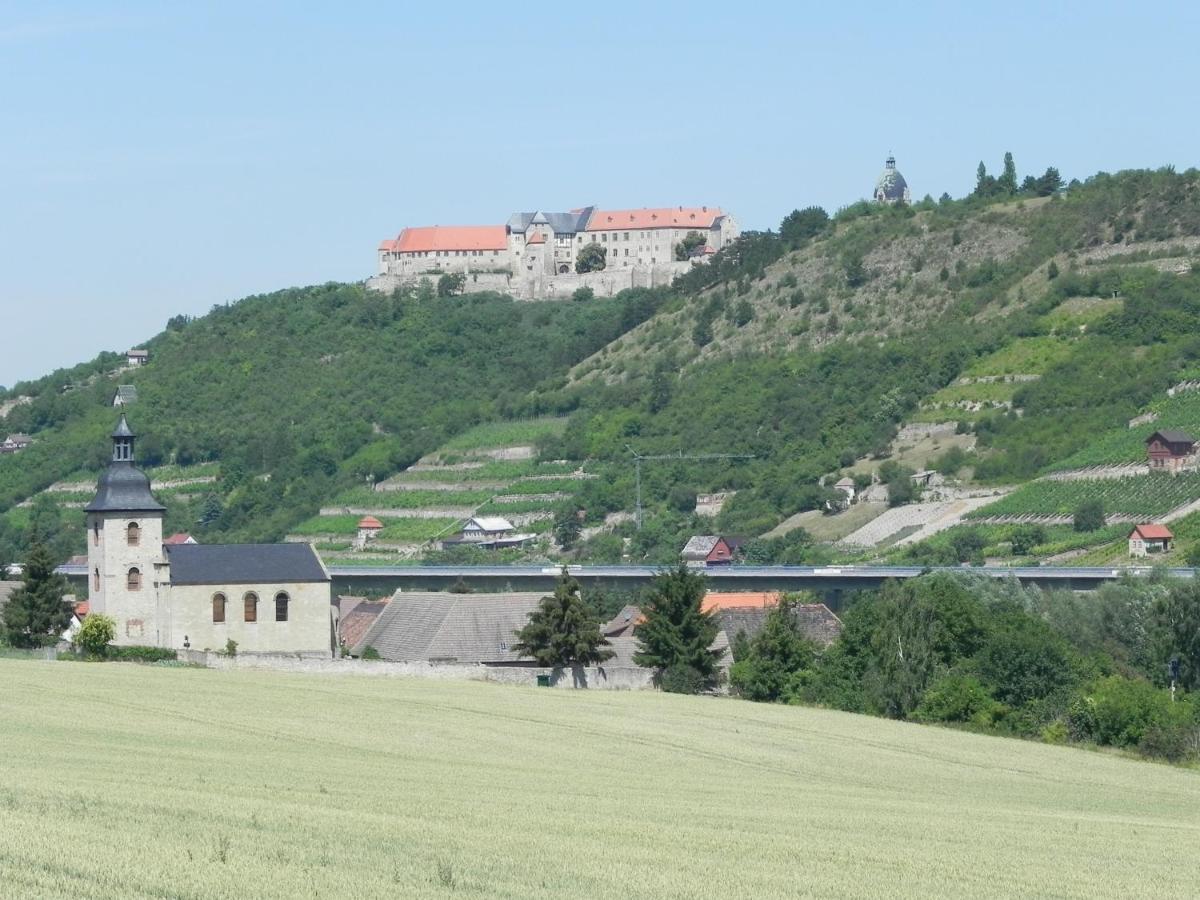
(603, 678)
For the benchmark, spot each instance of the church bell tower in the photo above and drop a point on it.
(124, 535)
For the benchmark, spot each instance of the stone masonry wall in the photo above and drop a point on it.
(603, 678)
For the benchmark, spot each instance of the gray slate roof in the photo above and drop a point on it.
(562, 223)
(1172, 436)
(815, 621)
(244, 564)
(428, 626)
(6, 589)
(126, 393)
(123, 488)
(699, 546)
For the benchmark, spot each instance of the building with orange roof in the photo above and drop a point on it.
(1150, 538)
(534, 253)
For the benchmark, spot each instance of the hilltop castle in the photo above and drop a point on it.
(533, 254)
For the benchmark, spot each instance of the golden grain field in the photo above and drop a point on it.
(126, 781)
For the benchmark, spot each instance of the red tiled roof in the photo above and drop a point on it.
(714, 600)
(369, 522)
(179, 538)
(451, 237)
(536, 238)
(387, 245)
(663, 217)
(1152, 532)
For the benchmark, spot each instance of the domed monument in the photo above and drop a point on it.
(891, 186)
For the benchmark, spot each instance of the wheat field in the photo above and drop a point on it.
(125, 781)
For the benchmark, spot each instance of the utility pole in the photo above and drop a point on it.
(639, 458)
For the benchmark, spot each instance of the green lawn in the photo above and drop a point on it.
(127, 781)
(1023, 356)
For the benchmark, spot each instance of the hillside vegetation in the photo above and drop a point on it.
(1037, 325)
(389, 787)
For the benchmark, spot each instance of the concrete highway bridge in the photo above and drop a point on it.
(832, 583)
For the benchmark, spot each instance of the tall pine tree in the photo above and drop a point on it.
(1007, 182)
(562, 631)
(36, 614)
(677, 635)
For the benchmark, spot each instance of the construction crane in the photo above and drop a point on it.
(638, 459)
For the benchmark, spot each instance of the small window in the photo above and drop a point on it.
(95, 534)
(96, 579)
(133, 581)
(250, 607)
(218, 607)
(281, 607)
(133, 534)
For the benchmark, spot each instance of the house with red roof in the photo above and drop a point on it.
(1170, 450)
(1147, 539)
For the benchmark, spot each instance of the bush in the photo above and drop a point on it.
(1121, 712)
(230, 648)
(140, 654)
(1026, 537)
(96, 634)
(583, 294)
(1089, 516)
(681, 680)
(370, 652)
(958, 698)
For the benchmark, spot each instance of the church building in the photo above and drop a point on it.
(269, 598)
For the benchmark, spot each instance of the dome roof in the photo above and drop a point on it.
(891, 186)
(124, 488)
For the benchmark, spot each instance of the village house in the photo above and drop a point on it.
(368, 529)
(15, 443)
(271, 598)
(137, 357)
(707, 550)
(1148, 539)
(745, 613)
(1170, 450)
(126, 394)
(847, 487)
(489, 532)
(534, 253)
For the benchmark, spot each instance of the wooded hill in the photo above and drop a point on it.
(805, 348)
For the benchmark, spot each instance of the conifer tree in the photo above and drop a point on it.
(36, 614)
(1007, 182)
(562, 631)
(677, 635)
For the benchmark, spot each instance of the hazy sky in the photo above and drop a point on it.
(160, 158)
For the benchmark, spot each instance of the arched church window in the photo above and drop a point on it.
(218, 607)
(133, 534)
(281, 606)
(133, 581)
(250, 607)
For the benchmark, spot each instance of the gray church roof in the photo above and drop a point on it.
(123, 488)
(561, 223)
(244, 564)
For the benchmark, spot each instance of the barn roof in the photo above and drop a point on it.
(489, 523)
(700, 545)
(245, 564)
(428, 626)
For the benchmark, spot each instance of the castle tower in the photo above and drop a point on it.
(125, 524)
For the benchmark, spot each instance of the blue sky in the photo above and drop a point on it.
(161, 158)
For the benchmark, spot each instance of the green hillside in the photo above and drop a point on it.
(270, 785)
(1037, 326)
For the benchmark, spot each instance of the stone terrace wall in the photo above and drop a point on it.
(541, 286)
(603, 678)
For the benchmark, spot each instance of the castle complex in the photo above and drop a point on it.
(534, 254)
